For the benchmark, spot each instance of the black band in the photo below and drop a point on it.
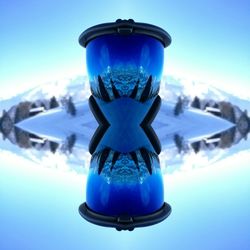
(124, 27)
(125, 222)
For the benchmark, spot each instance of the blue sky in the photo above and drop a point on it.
(39, 39)
(39, 42)
(210, 210)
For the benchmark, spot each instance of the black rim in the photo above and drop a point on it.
(125, 222)
(125, 27)
(102, 122)
(147, 121)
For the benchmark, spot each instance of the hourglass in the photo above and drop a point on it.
(124, 64)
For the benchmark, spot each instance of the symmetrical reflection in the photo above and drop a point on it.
(125, 179)
(125, 190)
(20, 133)
(125, 186)
(131, 169)
(28, 140)
(225, 138)
(124, 125)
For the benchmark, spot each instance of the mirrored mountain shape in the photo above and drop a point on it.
(63, 123)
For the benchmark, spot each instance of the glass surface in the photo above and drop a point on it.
(124, 61)
(125, 178)
(124, 189)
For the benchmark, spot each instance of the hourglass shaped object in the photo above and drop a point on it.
(125, 64)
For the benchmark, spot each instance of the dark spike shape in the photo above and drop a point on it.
(146, 91)
(135, 90)
(115, 91)
(103, 158)
(196, 146)
(146, 124)
(146, 158)
(99, 133)
(53, 146)
(103, 124)
(115, 158)
(99, 116)
(103, 91)
(135, 159)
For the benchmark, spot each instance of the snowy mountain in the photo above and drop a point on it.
(172, 87)
(77, 87)
(56, 124)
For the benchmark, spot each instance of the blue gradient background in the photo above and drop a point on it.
(210, 38)
(38, 42)
(39, 210)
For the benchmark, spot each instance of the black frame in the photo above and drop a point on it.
(125, 27)
(125, 222)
